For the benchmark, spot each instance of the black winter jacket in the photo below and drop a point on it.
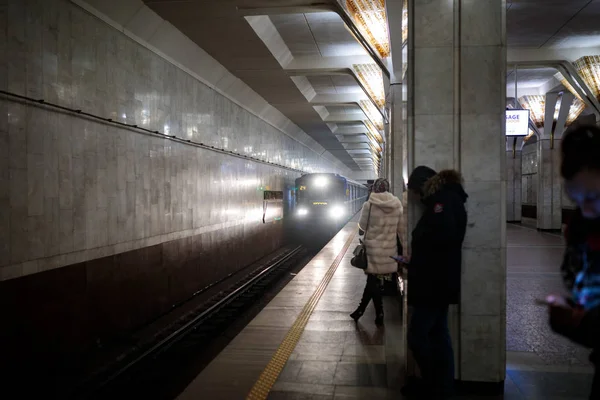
(434, 272)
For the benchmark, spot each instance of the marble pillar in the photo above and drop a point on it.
(549, 192)
(514, 180)
(456, 105)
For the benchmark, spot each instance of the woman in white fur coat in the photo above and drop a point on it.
(380, 239)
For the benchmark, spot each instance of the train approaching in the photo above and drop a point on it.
(327, 200)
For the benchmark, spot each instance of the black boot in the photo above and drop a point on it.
(378, 303)
(357, 314)
(366, 298)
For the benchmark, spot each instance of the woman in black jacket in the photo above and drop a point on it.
(578, 317)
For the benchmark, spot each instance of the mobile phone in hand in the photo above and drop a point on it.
(550, 300)
(400, 259)
(543, 302)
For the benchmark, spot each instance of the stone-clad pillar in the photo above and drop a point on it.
(549, 192)
(456, 106)
(513, 182)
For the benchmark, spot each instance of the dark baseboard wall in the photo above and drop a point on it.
(530, 211)
(52, 318)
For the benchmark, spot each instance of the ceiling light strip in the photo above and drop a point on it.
(372, 113)
(560, 77)
(536, 104)
(371, 78)
(370, 18)
(588, 68)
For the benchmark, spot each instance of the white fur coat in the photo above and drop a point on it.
(384, 225)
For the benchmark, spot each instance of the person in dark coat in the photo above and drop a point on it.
(434, 273)
(578, 316)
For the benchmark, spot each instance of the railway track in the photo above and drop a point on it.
(147, 367)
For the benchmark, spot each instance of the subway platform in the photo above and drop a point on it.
(303, 345)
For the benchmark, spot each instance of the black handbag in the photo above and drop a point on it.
(360, 252)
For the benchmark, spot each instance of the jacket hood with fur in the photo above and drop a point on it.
(449, 178)
(386, 201)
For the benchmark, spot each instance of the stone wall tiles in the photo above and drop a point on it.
(479, 140)
(480, 68)
(486, 225)
(434, 21)
(434, 75)
(4, 231)
(484, 270)
(79, 188)
(432, 141)
(481, 23)
(482, 346)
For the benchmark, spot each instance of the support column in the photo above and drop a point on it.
(396, 105)
(456, 107)
(514, 180)
(549, 192)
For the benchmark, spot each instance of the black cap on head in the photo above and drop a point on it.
(419, 176)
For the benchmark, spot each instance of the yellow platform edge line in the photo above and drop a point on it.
(269, 376)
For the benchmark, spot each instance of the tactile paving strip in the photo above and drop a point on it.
(267, 379)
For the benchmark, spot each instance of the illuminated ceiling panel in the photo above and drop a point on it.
(371, 78)
(536, 104)
(372, 113)
(589, 69)
(566, 84)
(528, 137)
(574, 112)
(374, 133)
(405, 21)
(370, 18)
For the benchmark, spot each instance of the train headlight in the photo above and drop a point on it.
(320, 181)
(337, 211)
(302, 212)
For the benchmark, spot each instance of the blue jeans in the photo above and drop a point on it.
(429, 340)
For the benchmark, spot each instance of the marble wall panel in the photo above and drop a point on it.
(483, 277)
(477, 148)
(550, 193)
(513, 186)
(482, 24)
(481, 65)
(435, 75)
(433, 142)
(434, 23)
(486, 224)
(479, 139)
(92, 186)
(483, 339)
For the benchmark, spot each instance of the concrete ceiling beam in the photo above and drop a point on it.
(284, 10)
(338, 99)
(348, 117)
(519, 55)
(309, 63)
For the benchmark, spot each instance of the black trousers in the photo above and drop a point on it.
(595, 395)
(372, 292)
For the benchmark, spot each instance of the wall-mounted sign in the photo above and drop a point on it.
(517, 122)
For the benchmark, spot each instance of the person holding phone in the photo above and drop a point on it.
(380, 221)
(578, 317)
(434, 277)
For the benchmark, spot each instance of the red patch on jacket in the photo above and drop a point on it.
(438, 208)
(593, 242)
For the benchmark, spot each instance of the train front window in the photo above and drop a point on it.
(320, 190)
